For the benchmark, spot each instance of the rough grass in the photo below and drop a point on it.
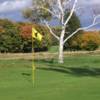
(77, 79)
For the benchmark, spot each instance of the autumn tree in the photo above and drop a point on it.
(10, 39)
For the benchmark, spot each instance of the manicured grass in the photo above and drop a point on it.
(15, 80)
(77, 79)
(53, 49)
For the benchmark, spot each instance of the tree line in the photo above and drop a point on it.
(16, 37)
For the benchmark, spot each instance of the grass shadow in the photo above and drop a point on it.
(76, 71)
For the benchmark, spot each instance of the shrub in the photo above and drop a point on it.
(86, 41)
(10, 40)
(26, 33)
(46, 41)
(17, 37)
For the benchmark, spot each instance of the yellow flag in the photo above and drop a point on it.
(36, 34)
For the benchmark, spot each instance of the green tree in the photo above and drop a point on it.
(10, 39)
(73, 24)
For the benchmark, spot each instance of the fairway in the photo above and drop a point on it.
(77, 79)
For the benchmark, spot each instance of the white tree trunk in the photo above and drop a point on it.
(61, 48)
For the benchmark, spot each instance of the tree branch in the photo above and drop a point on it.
(62, 11)
(51, 31)
(71, 13)
(79, 8)
(68, 2)
(95, 18)
(84, 28)
(79, 29)
(51, 12)
(48, 10)
(60, 6)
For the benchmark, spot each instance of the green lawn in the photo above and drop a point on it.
(77, 79)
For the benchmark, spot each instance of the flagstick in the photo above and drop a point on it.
(39, 38)
(33, 66)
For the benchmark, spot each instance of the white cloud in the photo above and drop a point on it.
(90, 5)
(15, 5)
(89, 2)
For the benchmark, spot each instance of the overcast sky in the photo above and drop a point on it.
(12, 9)
(13, 5)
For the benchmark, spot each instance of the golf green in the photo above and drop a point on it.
(77, 79)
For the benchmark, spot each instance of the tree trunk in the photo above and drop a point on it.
(61, 59)
(61, 46)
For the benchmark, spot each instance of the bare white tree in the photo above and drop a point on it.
(58, 9)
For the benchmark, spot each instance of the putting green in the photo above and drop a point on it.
(77, 79)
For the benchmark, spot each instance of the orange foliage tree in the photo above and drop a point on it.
(86, 41)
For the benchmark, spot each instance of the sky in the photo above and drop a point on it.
(12, 9)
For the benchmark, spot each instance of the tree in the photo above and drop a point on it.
(71, 27)
(10, 39)
(44, 10)
(87, 41)
(25, 32)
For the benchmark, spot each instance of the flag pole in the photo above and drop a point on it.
(33, 65)
(39, 38)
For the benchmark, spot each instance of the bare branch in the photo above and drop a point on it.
(84, 28)
(60, 6)
(51, 12)
(79, 8)
(79, 29)
(62, 11)
(68, 2)
(95, 18)
(48, 10)
(71, 13)
(51, 30)
(93, 12)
